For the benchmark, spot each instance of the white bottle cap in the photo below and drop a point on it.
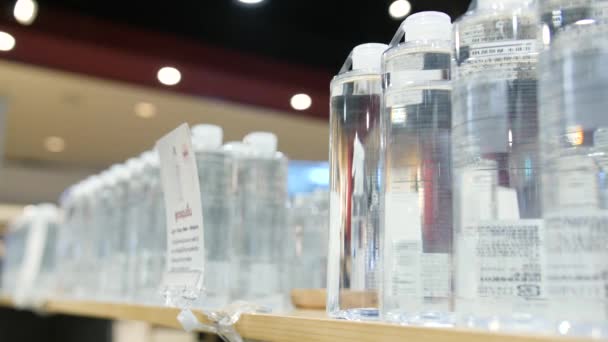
(264, 143)
(120, 172)
(237, 147)
(207, 137)
(150, 158)
(135, 165)
(368, 56)
(428, 25)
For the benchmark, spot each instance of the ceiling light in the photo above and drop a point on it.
(585, 22)
(399, 9)
(250, 2)
(300, 101)
(54, 144)
(169, 76)
(25, 11)
(7, 42)
(145, 110)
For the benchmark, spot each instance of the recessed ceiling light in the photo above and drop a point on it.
(54, 144)
(169, 75)
(399, 9)
(300, 101)
(145, 110)
(250, 2)
(25, 11)
(7, 42)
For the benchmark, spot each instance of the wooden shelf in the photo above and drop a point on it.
(305, 325)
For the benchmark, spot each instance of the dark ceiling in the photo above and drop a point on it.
(316, 33)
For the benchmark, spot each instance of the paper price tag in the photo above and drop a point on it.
(185, 233)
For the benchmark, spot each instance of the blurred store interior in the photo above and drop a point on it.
(86, 84)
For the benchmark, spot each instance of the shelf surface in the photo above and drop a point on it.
(301, 325)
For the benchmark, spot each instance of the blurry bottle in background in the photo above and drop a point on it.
(308, 222)
(261, 175)
(572, 93)
(417, 222)
(217, 198)
(354, 240)
(499, 277)
(152, 234)
(15, 241)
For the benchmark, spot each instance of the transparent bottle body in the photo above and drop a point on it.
(498, 234)
(117, 235)
(261, 231)
(573, 102)
(417, 196)
(136, 223)
(65, 248)
(13, 260)
(354, 243)
(152, 240)
(308, 221)
(45, 282)
(218, 200)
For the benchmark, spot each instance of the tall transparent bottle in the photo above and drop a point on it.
(499, 277)
(353, 266)
(573, 98)
(417, 221)
(262, 181)
(217, 199)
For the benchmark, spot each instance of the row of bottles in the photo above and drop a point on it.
(466, 165)
(111, 237)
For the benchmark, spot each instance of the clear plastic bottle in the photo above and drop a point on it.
(37, 281)
(499, 276)
(15, 243)
(262, 182)
(572, 93)
(107, 220)
(218, 202)
(152, 235)
(308, 221)
(417, 222)
(354, 237)
(118, 234)
(135, 224)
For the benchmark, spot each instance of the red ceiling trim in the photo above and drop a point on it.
(88, 46)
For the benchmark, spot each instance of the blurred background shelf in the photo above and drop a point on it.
(300, 325)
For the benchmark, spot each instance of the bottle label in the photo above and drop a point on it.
(504, 257)
(413, 272)
(185, 233)
(577, 258)
(505, 46)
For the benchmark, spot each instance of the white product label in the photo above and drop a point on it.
(577, 182)
(417, 274)
(404, 276)
(506, 258)
(436, 275)
(403, 98)
(185, 234)
(502, 45)
(577, 254)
